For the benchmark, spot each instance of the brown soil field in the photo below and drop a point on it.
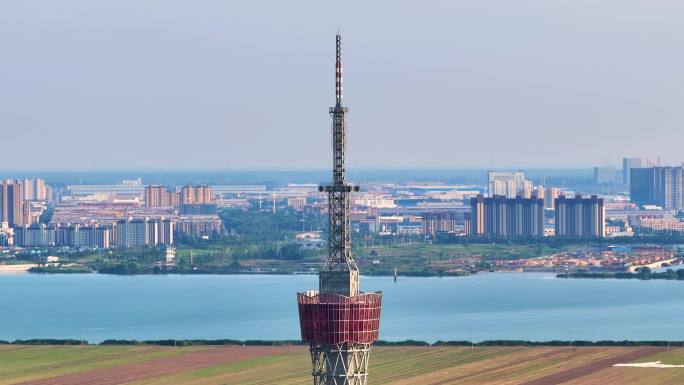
(123, 374)
(587, 370)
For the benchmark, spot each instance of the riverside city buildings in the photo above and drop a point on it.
(200, 194)
(132, 232)
(129, 232)
(508, 184)
(437, 222)
(6, 235)
(12, 204)
(200, 226)
(550, 196)
(138, 215)
(604, 175)
(160, 196)
(657, 223)
(627, 165)
(660, 186)
(502, 217)
(34, 236)
(35, 190)
(20, 200)
(580, 217)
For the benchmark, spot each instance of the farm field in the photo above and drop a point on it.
(147, 365)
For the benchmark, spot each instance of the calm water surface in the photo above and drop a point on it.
(532, 306)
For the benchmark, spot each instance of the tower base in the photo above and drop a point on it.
(340, 364)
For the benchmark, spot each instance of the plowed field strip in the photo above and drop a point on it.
(123, 374)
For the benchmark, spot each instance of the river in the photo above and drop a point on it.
(529, 306)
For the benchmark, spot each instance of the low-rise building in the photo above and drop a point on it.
(652, 223)
(296, 203)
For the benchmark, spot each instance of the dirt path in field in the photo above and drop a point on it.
(123, 374)
(593, 367)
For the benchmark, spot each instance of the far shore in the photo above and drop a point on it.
(7, 269)
(285, 342)
(43, 270)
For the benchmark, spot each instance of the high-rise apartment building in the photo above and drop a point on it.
(467, 223)
(436, 222)
(99, 236)
(502, 217)
(30, 217)
(605, 175)
(199, 225)
(477, 217)
(34, 190)
(628, 164)
(48, 193)
(28, 188)
(160, 196)
(135, 232)
(527, 189)
(151, 232)
(550, 196)
(12, 203)
(139, 232)
(509, 184)
(35, 235)
(661, 186)
(669, 187)
(130, 233)
(580, 217)
(102, 237)
(642, 186)
(39, 190)
(165, 231)
(201, 194)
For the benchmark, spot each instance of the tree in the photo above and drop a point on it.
(645, 272)
(291, 251)
(680, 274)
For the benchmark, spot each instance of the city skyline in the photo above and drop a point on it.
(97, 86)
(502, 202)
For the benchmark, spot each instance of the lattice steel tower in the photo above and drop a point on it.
(339, 322)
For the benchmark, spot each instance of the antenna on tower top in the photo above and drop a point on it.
(338, 70)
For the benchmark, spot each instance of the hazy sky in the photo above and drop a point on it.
(246, 84)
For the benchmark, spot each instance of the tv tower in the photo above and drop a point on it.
(339, 322)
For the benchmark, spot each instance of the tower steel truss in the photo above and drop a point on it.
(339, 321)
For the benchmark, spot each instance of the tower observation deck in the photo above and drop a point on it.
(339, 322)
